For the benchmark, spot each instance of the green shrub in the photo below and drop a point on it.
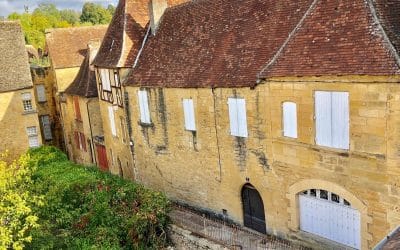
(88, 209)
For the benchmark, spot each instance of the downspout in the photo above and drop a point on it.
(219, 179)
(94, 160)
(127, 109)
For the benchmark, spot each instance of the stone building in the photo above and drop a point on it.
(66, 48)
(116, 56)
(19, 125)
(82, 118)
(43, 84)
(280, 115)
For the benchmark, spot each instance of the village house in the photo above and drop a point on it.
(19, 125)
(82, 118)
(67, 48)
(279, 115)
(43, 83)
(113, 62)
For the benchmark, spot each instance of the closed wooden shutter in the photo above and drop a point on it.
(340, 120)
(289, 114)
(41, 93)
(144, 107)
(112, 120)
(46, 125)
(323, 118)
(238, 117)
(188, 109)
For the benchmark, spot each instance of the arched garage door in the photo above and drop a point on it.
(330, 216)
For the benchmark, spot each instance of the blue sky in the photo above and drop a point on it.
(9, 6)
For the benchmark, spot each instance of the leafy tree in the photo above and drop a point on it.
(17, 218)
(70, 16)
(95, 14)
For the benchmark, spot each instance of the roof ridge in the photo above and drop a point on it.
(386, 39)
(288, 39)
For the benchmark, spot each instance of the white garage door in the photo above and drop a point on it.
(327, 215)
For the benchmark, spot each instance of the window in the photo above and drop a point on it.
(332, 119)
(105, 79)
(112, 120)
(77, 109)
(27, 102)
(46, 125)
(188, 110)
(144, 107)
(289, 116)
(32, 137)
(237, 117)
(80, 141)
(116, 79)
(41, 93)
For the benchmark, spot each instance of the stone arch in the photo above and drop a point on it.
(293, 210)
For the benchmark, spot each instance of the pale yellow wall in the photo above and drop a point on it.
(118, 147)
(71, 124)
(65, 77)
(14, 121)
(367, 174)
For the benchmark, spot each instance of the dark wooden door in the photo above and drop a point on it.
(102, 157)
(253, 208)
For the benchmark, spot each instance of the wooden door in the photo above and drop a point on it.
(253, 209)
(102, 157)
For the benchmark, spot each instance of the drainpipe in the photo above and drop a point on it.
(94, 160)
(216, 135)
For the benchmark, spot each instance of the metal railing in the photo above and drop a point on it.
(226, 234)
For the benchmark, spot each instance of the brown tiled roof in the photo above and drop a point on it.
(67, 46)
(14, 67)
(124, 35)
(84, 83)
(392, 242)
(212, 43)
(342, 37)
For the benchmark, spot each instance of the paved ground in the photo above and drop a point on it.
(230, 236)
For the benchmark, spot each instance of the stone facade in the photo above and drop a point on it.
(14, 122)
(44, 77)
(209, 167)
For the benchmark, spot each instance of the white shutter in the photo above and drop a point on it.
(112, 120)
(289, 115)
(46, 127)
(340, 120)
(242, 117)
(233, 116)
(323, 118)
(41, 93)
(144, 107)
(105, 79)
(188, 109)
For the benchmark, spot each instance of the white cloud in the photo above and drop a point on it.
(9, 6)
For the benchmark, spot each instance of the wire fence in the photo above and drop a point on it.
(227, 234)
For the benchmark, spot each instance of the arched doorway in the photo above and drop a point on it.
(253, 209)
(330, 216)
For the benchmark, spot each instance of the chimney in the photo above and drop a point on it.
(156, 9)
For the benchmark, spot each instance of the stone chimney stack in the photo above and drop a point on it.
(156, 9)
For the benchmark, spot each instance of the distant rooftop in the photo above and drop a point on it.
(14, 66)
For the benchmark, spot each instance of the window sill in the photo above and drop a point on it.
(29, 112)
(146, 125)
